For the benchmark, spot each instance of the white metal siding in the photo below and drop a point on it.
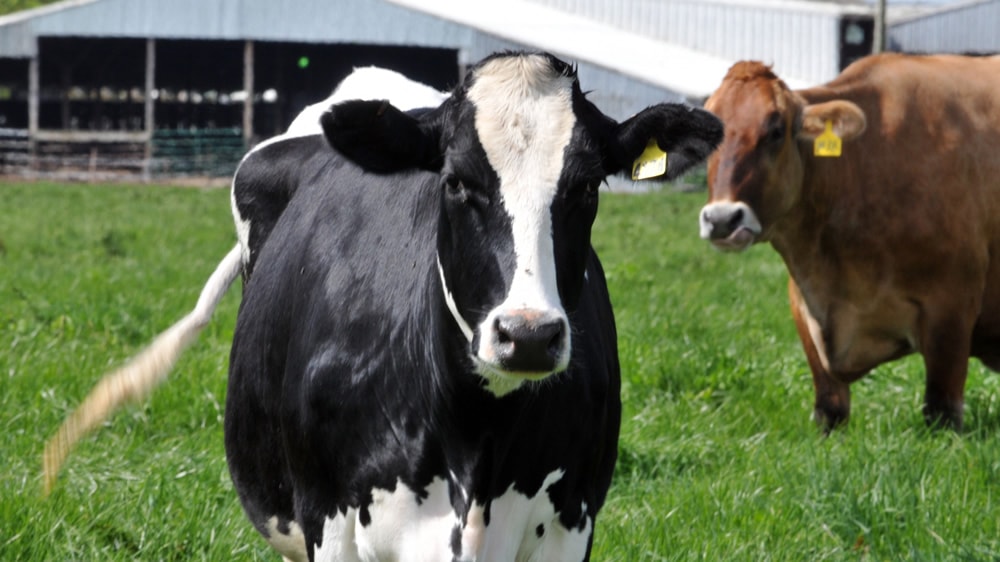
(310, 21)
(799, 38)
(973, 27)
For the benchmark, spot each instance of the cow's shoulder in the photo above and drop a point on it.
(278, 165)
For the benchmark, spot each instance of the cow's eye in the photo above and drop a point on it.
(583, 191)
(775, 134)
(466, 195)
(453, 186)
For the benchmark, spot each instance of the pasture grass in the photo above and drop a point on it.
(718, 457)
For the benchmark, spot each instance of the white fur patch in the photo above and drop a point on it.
(242, 226)
(368, 83)
(406, 530)
(291, 545)
(524, 120)
(452, 307)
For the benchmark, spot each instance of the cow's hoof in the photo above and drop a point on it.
(828, 419)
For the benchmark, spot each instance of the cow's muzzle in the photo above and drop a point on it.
(528, 342)
(524, 343)
(729, 226)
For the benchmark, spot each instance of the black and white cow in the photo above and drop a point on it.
(137, 378)
(425, 364)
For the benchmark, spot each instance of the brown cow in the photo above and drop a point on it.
(894, 246)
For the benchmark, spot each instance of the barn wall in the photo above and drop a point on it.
(970, 28)
(801, 39)
(203, 30)
(321, 21)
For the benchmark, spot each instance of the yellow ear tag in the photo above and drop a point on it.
(827, 144)
(651, 163)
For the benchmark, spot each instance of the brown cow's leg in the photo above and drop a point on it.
(945, 346)
(833, 400)
(833, 397)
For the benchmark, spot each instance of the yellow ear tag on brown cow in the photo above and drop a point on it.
(651, 163)
(827, 144)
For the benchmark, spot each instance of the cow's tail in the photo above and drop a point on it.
(135, 380)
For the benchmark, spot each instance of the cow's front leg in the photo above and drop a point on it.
(833, 396)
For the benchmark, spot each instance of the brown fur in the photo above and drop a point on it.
(894, 247)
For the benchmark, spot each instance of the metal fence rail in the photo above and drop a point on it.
(211, 153)
(196, 152)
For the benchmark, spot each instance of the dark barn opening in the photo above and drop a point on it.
(13, 93)
(302, 74)
(14, 146)
(112, 107)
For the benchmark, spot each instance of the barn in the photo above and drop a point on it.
(98, 88)
(104, 89)
(968, 27)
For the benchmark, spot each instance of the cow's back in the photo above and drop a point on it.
(919, 191)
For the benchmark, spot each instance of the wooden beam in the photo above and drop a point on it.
(149, 114)
(879, 41)
(248, 89)
(34, 91)
(84, 136)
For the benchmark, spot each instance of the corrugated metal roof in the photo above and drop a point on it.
(969, 27)
(320, 21)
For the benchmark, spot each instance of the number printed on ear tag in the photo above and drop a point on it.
(827, 144)
(651, 163)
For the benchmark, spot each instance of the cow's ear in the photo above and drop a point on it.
(687, 134)
(847, 119)
(380, 138)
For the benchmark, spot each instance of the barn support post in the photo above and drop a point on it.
(879, 41)
(149, 108)
(65, 83)
(248, 89)
(34, 91)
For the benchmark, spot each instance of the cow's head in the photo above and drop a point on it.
(755, 177)
(520, 153)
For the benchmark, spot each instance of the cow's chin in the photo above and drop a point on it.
(741, 239)
(501, 382)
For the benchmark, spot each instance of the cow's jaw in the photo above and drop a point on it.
(524, 121)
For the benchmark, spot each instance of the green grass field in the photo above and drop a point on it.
(718, 457)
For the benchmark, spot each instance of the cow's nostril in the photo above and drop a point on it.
(556, 341)
(503, 337)
(736, 220)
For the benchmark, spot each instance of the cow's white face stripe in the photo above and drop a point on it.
(524, 121)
